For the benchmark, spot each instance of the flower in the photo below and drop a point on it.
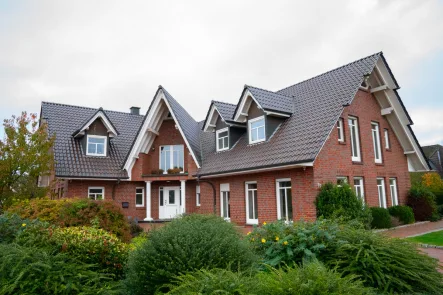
(263, 240)
(23, 224)
(248, 233)
(285, 243)
(277, 238)
(253, 239)
(264, 223)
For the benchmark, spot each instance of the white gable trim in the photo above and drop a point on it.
(112, 132)
(208, 123)
(243, 101)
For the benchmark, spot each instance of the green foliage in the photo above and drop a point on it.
(381, 218)
(391, 265)
(186, 244)
(32, 270)
(403, 213)
(422, 202)
(134, 227)
(341, 202)
(279, 243)
(12, 225)
(76, 212)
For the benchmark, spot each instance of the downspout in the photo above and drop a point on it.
(213, 191)
(114, 187)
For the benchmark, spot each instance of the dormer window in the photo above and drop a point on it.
(257, 130)
(96, 145)
(222, 139)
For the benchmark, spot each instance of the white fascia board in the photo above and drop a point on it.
(105, 121)
(211, 116)
(242, 104)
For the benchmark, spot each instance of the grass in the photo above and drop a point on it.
(435, 238)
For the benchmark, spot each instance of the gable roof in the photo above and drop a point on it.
(69, 155)
(226, 110)
(105, 119)
(272, 101)
(430, 150)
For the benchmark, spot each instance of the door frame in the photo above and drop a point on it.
(166, 189)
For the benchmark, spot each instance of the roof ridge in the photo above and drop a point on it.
(89, 108)
(223, 102)
(335, 69)
(270, 91)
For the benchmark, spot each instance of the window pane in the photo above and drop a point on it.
(96, 191)
(139, 199)
(225, 142)
(354, 142)
(223, 134)
(172, 197)
(251, 204)
(99, 197)
(139, 191)
(252, 186)
(161, 197)
(96, 140)
(258, 123)
(255, 205)
(253, 134)
(379, 181)
(283, 203)
(100, 149)
(261, 133)
(91, 148)
(220, 143)
(167, 159)
(289, 202)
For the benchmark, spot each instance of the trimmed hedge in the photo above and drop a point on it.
(380, 218)
(403, 213)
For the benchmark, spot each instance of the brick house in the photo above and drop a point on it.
(434, 154)
(261, 159)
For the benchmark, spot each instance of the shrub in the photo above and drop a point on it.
(186, 244)
(32, 270)
(391, 265)
(341, 202)
(134, 227)
(403, 213)
(12, 225)
(76, 212)
(380, 218)
(422, 202)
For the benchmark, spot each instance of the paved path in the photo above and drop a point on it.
(414, 230)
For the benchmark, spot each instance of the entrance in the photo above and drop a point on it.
(169, 202)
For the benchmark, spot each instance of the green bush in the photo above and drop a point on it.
(380, 218)
(186, 244)
(422, 202)
(32, 270)
(76, 212)
(341, 202)
(12, 225)
(391, 265)
(403, 213)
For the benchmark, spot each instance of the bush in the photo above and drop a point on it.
(76, 212)
(12, 225)
(134, 227)
(186, 244)
(391, 265)
(341, 202)
(31, 270)
(380, 218)
(403, 213)
(422, 202)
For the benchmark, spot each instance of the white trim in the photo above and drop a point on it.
(105, 145)
(387, 139)
(381, 199)
(183, 196)
(96, 187)
(340, 128)
(197, 196)
(211, 114)
(376, 143)
(393, 188)
(250, 221)
(143, 197)
(277, 114)
(244, 98)
(217, 139)
(148, 201)
(224, 187)
(100, 114)
(362, 187)
(379, 88)
(356, 158)
(387, 111)
(250, 122)
(277, 195)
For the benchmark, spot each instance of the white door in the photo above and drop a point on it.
(170, 207)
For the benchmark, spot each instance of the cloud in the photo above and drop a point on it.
(115, 53)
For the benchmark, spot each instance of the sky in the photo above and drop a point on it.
(114, 54)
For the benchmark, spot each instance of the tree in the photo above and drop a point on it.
(25, 154)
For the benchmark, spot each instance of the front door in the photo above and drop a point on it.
(169, 202)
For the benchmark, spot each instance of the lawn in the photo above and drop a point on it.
(435, 238)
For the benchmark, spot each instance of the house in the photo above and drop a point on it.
(261, 159)
(434, 154)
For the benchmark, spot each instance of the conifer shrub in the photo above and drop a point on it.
(380, 218)
(403, 213)
(422, 201)
(12, 225)
(186, 244)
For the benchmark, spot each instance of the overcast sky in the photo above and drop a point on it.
(114, 54)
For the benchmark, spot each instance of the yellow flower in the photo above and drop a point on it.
(249, 233)
(252, 239)
(264, 223)
(263, 240)
(23, 224)
(285, 243)
(277, 238)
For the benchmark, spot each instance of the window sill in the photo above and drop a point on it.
(388, 150)
(342, 142)
(357, 163)
(252, 223)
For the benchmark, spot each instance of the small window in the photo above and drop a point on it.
(251, 203)
(341, 180)
(387, 143)
(393, 189)
(96, 145)
(284, 199)
(355, 140)
(96, 193)
(359, 189)
(139, 197)
(197, 195)
(257, 130)
(376, 142)
(341, 132)
(222, 139)
(381, 192)
(225, 201)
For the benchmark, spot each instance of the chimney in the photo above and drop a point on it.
(135, 110)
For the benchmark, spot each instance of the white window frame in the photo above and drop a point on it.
(344, 178)
(219, 149)
(361, 186)
(387, 142)
(96, 187)
(171, 158)
(393, 191)
(353, 123)
(105, 148)
(197, 196)
(250, 130)
(224, 187)
(375, 130)
(277, 188)
(250, 221)
(381, 199)
(341, 132)
(143, 196)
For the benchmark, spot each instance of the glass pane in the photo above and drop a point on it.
(283, 203)
(220, 143)
(161, 197)
(139, 199)
(172, 197)
(139, 191)
(261, 133)
(96, 140)
(96, 191)
(258, 123)
(251, 204)
(255, 205)
(379, 182)
(391, 181)
(253, 134)
(162, 159)
(99, 197)
(225, 204)
(223, 134)
(376, 151)
(225, 142)
(100, 149)
(289, 201)
(252, 186)
(91, 148)
(167, 159)
(354, 142)
(92, 197)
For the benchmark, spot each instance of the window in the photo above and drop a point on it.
(225, 202)
(393, 189)
(284, 199)
(387, 143)
(96, 145)
(251, 203)
(96, 193)
(257, 130)
(171, 156)
(197, 195)
(381, 192)
(139, 197)
(222, 139)
(161, 196)
(355, 141)
(376, 142)
(341, 180)
(341, 132)
(359, 189)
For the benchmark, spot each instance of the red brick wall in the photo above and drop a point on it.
(335, 158)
